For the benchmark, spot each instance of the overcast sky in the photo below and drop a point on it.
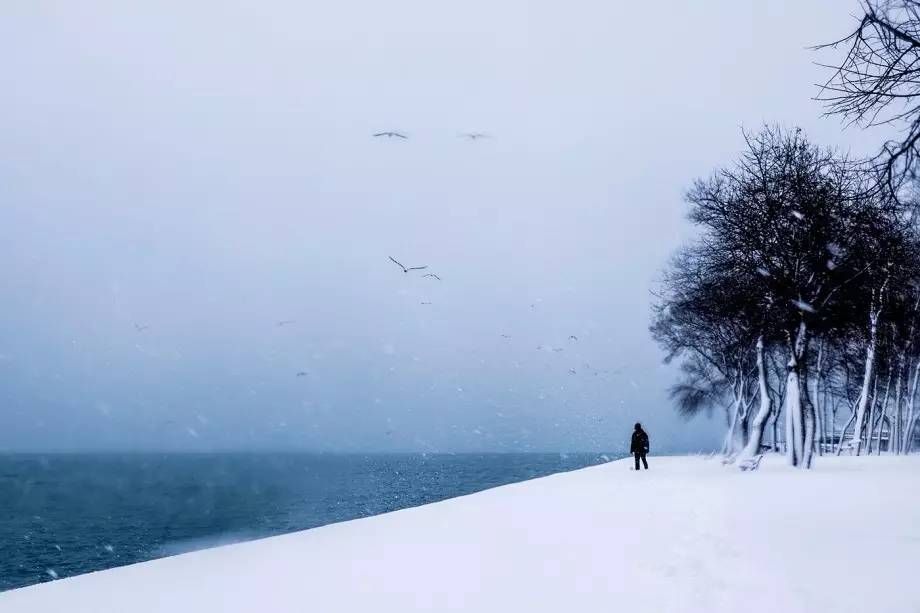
(206, 169)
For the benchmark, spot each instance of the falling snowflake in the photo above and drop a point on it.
(51, 573)
(109, 548)
(192, 432)
(834, 248)
(804, 306)
(798, 215)
(763, 272)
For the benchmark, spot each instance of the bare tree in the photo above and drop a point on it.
(877, 82)
(795, 252)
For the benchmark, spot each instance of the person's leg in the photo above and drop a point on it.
(637, 460)
(644, 463)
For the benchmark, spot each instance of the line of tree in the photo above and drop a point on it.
(797, 305)
(797, 309)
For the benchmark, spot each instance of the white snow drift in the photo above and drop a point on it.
(688, 535)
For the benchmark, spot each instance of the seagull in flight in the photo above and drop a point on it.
(301, 374)
(433, 276)
(505, 336)
(404, 269)
(140, 328)
(423, 302)
(474, 135)
(573, 338)
(390, 135)
(285, 322)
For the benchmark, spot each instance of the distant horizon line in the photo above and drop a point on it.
(231, 451)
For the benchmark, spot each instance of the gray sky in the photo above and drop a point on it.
(207, 169)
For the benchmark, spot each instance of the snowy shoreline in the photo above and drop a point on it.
(688, 535)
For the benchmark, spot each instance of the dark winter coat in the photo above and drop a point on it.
(639, 442)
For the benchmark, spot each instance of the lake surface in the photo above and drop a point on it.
(67, 514)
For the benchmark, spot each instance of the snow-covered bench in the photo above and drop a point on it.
(751, 463)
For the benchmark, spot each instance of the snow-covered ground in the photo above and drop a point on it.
(688, 535)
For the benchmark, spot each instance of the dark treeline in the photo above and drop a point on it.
(797, 300)
(795, 311)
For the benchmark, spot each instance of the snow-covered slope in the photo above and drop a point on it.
(688, 535)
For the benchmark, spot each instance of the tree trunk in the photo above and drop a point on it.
(775, 432)
(911, 416)
(815, 403)
(909, 434)
(844, 432)
(808, 418)
(894, 446)
(795, 428)
(731, 445)
(873, 414)
(897, 404)
(858, 427)
(899, 399)
(808, 443)
(795, 423)
(755, 438)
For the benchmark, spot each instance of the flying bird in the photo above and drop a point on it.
(573, 338)
(140, 328)
(433, 276)
(302, 374)
(390, 135)
(474, 135)
(285, 322)
(423, 302)
(404, 269)
(505, 336)
(557, 349)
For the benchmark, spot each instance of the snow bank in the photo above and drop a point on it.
(688, 535)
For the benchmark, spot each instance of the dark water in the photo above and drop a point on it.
(72, 514)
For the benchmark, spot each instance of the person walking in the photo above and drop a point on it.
(639, 445)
